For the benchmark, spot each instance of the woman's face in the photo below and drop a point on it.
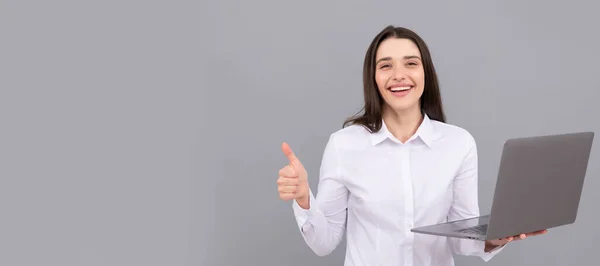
(399, 74)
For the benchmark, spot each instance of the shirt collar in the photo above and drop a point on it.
(425, 132)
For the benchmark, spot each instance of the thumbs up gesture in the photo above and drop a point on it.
(292, 183)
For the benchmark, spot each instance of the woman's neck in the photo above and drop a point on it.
(403, 125)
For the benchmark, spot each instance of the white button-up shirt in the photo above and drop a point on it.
(378, 188)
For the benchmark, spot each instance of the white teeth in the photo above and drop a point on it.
(400, 89)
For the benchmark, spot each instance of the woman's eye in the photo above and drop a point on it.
(384, 66)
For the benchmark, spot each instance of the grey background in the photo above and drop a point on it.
(149, 132)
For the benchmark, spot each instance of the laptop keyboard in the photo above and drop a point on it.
(479, 229)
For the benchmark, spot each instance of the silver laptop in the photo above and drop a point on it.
(539, 186)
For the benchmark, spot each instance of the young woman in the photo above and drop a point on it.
(396, 166)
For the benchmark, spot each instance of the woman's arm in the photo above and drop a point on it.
(322, 219)
(465, 204)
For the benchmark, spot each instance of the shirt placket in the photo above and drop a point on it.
(408, 204)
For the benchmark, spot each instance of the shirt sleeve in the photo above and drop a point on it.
(323, 224)
(465, 205)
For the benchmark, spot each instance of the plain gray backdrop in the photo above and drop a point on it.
(149, 132)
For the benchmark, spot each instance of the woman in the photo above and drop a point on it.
(394, 167)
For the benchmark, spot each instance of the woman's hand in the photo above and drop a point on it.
(492, 244)
(292, 183)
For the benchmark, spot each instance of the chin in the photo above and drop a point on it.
(403, 106)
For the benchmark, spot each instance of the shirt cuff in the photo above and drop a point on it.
(487, 256)
(304, 216)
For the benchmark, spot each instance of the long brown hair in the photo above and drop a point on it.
(430, 101)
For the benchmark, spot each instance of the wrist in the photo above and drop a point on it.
(303, 202)
(489, 247)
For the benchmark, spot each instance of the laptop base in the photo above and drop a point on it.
(471, 228)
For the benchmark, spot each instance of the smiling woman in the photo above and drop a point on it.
(396, 166)
(398, 57)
